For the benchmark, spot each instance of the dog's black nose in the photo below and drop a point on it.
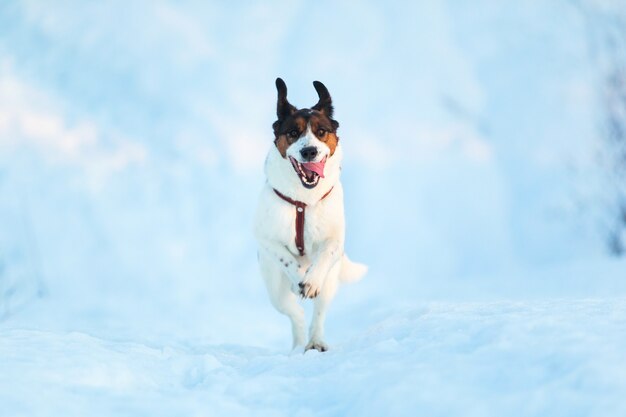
(308, 153)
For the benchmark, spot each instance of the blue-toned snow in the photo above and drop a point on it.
(132, 140)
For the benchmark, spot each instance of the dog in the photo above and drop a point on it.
(300, 225)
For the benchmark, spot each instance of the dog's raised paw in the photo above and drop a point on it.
(308, 290)
(319, 346)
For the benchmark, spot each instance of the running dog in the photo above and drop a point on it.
(300, 225)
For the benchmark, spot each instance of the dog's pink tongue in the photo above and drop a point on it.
(317, 167)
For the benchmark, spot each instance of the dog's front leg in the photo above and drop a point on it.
(286, 261)
(328, 254)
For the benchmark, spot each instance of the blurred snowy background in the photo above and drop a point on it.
(485, 149)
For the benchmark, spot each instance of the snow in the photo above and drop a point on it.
(132, 138)
(551, 358)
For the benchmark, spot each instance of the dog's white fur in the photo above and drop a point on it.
(324, 263)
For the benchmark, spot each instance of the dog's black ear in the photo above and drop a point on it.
(325, 103)
(283, 107)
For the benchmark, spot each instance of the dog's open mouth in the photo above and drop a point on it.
(309, 172)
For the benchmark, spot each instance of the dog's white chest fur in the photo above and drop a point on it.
(323, 221)
(323, 216)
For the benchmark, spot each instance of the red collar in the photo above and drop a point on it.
(300, 207)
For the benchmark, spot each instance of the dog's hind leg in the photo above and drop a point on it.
(283, 299)
(320, 306)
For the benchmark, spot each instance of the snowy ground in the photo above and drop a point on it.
(551, 358)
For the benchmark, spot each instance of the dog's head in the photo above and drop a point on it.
(307, 138)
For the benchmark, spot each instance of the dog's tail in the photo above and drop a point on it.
(351, 271)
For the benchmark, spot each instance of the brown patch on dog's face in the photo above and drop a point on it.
(282, 144)
(324, 128)
(294, 126)
(332, 142)
(289, 131)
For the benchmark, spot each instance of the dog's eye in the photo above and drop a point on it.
(294, 133)
(321, 133)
